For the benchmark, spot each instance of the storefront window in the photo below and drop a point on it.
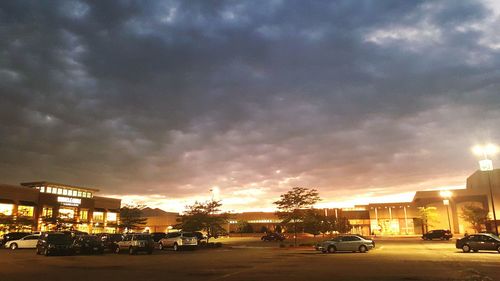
(110, 230)
(84, 215)
(49, 189)
(47, 212)
(98, 216)
(25, 211)
(111, 217)
(6, 209)
(42, 189)
(59, 191)
(66, 213)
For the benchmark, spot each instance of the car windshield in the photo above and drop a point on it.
(58, 238)
(188, 234)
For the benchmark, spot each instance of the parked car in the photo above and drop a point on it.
(479, 242)
(351, 243)
(54, 243)
(438, 234)
(273, 237)
(13, 236)
(110, 240)
(179, 240)
(136, 242)
(200, 236)
(27, 242)
(157, 236)
(88, 244)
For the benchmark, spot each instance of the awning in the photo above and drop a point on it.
(114, 210)
(99, 210)
(27, 203)
(6, 201)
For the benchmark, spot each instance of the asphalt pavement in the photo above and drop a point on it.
(247, 259)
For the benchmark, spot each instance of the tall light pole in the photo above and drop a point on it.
(486, 165)
(446, 194)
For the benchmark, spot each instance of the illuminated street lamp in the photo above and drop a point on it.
(446, 194)
(486, 165)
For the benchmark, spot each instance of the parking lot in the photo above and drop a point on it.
(250, 259)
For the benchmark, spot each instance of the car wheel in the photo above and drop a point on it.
(363, 249)
(46, 252)
(131, 251)
(176, 247)
(13, 246)
(466, 248)
(332, 249)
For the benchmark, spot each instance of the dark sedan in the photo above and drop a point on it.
(87, 244)
(479, 242)
(273, 237)
(438, 234)
(54, 243)
(110, 240)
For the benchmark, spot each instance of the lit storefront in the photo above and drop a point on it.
(45, 206)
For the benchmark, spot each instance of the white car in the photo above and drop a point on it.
(179, 240)
(27, 242)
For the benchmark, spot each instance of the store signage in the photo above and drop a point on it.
(69, 201)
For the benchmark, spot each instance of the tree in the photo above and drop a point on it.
(476, 216)
(244, 227)
(264, 229)
(292, 204)
(428, 215)
(343, 225)
(328, 224)
(204, 216)
(313, 222)
(131, 217)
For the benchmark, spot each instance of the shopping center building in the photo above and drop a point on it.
(43, 206)
(397, 218)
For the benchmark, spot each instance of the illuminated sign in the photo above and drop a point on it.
(69, 201)
(486, 165)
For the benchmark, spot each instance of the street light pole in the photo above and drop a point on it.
(486, 165)
(492, 203)
(446, 194)
(447, 203)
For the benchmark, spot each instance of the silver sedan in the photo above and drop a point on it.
(351, 243)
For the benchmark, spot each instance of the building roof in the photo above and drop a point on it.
(46, 183)
(150, 212)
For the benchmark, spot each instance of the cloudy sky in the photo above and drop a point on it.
(160, 102)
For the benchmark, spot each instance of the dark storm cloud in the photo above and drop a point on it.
(173, 97)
